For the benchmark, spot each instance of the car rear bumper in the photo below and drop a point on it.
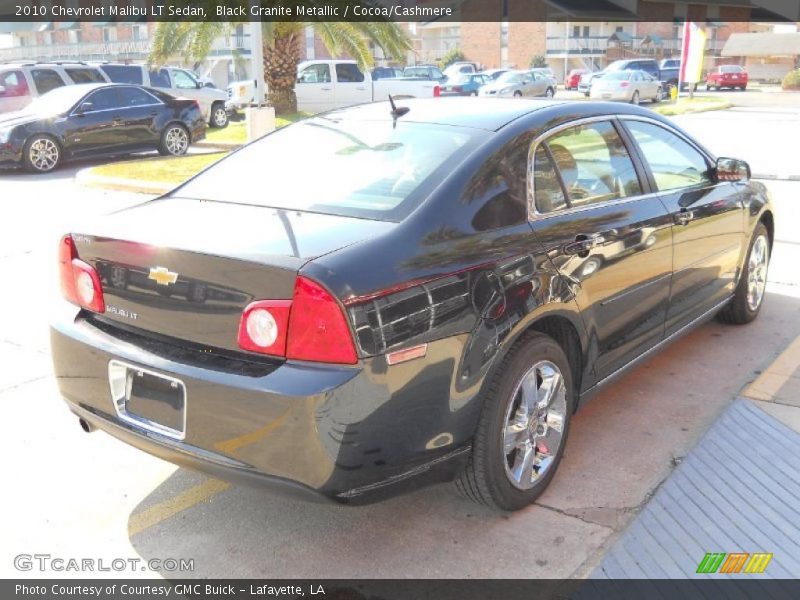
(334, 432)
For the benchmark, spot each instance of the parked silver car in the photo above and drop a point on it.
(516, 84)
(627, 86)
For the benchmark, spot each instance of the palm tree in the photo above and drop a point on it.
(283, 42)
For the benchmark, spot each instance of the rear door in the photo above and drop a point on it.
(707, 220)
(609, 238)
(351, 87)
(136, 117)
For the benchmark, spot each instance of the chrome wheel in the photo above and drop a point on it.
(549, 93)
(635, 98)
(219, 117)
(176, 141)
(534, 424)
(43, 154)
(757, 272)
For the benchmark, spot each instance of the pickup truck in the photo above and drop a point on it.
(327, 84)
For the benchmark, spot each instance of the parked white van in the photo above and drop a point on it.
(176, 82)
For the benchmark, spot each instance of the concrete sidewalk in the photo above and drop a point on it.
(736, 492)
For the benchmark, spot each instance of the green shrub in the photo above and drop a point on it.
(792, 80)
(538, 61)
(451, 56)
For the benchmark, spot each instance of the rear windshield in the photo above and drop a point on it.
(730, 69)
(363, 169)
(123, 73)
(621, 75)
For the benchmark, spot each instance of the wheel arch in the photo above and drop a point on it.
(768, 219)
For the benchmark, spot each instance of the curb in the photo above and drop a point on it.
(86, 178)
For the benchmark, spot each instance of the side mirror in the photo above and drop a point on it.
(732, 169)
(85, 107)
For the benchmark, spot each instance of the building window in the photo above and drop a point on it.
(74, 36)
(109, 34)
(48, 38)
(576, 31)
(140, 32)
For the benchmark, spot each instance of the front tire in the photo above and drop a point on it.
(549, 93)
(523, 426)
(41, 154)
(219, 116)
(174, 140)
(749, 295)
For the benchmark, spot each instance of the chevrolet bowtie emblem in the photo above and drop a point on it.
(162, 275)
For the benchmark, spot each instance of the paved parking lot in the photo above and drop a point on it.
(78, 495)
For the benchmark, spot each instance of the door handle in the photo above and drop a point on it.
(684, 217)
(584, 243)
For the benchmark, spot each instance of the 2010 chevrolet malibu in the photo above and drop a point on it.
(374, 299)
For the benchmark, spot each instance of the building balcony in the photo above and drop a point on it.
(561, 47)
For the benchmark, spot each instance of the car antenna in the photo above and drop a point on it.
(397, 111)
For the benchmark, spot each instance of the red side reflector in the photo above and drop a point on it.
(318, 329)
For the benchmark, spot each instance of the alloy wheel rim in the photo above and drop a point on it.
(549, 93)
(220, 116)
(177, 140)
(534, 424)
(43, 154)
(757, 272)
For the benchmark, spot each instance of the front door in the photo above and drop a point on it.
(314, 88)
(708, 222)
(609, 239)
(351, 88)
(136, 118)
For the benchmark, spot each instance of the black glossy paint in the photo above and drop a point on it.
(108, 132)
(467, 272)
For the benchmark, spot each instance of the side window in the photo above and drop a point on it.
(103, 99)
(436, 74)
(46, 80)
(183, 80)
(675, 164)
(159, 78)
(319, 73)
(548, 195)
(15, 84)
(348, 73)
(84, 75)
(132, 97)
(123, 73)
(593, 164)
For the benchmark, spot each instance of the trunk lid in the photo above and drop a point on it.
(186, 269)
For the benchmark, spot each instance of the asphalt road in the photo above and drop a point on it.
(73, 495)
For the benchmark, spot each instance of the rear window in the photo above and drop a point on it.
(46, 80)
(123, 73)
(364, 169)
(730, 69)
(85, 75)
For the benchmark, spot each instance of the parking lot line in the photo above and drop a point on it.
(172, 506)
(774, 377)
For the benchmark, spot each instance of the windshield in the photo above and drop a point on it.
(58, 100)
(353, 168)
(618, 75)
(510, 77)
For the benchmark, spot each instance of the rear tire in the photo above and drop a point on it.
(518, 444)
(219, 116)
(749, 295)
(517, 94)
(659, 96)
(635, 97)
(174, 140)
(549, 93)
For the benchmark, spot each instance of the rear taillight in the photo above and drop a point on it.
(311, 326)
(624, 84)
(264, 326)
(437, 91)
(80, 283)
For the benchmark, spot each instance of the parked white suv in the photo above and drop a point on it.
(176, 82)
(20, 83)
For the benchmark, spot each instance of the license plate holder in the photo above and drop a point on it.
(148, 399)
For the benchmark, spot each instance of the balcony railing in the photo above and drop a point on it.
(118, 50)
(598, 46)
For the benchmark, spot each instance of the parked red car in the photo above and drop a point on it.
(574, 78)
(726, 76)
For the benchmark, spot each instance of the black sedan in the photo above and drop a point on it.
(82, 121)
(419, 294)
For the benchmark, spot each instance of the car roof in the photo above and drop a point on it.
(490, 114)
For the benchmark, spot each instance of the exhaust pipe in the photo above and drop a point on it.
(86, 426)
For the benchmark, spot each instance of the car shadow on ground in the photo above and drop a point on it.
(68, 170)
(623, 444)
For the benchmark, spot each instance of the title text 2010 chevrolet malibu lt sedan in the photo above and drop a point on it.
(371, 300)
